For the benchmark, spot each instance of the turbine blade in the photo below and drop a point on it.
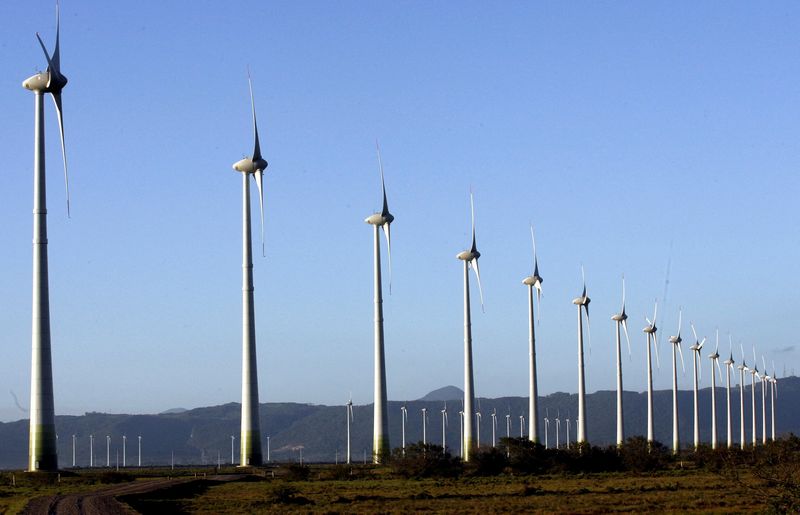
(683, 366)
(259, 175)
(50, 66)
(680, 320)
(694, 333)
(719, 369)
(588, 328)
(655, 346)
(655, 313)
(474, 247)
(627, 338)
(60, 113)
(583, 277)
(388, 232)
(716, 349)
(623, 293)
(56, 52)
(385, 209)
(474, 264)
(257, 147)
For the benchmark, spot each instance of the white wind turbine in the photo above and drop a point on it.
(384, 219)
(42, 445)
(533, 281)
(753, 375)
(764, 380)
(478, 417)
(620, 320)
(522, 426)
(250, 439)
(583, 304)
(558, 429)
(546, 428)
(651, 332)
(742, 369)
(714, 357)
(773, 394)
(729, 363)
(508, 425)
(444, 428)
(698, 373)
(568, 427)
(461, 431)
(424, 426)
(470, 259)
(494, 427)
(676, 348)
(349, 416)
(403, 420)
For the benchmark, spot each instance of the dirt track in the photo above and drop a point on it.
(104, 502)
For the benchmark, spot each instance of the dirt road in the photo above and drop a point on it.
(104, 502)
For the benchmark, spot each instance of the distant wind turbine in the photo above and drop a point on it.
(651, 332)
(773, 394)
(444, 428)
(403, 420)
(742, 369)
(753, 375)
(470, 259)
(546, 428)
(91, 451)
(461, 432)
(583, 304)
(478, 426)
(714, 357)
(533, 281)
(494, 427)
(42, 445)
(620, 320)
(764, 380)
(424, 426)
(349, 418)
(729, 363)
(697, 373)
(676, 347)
(250, 438)
(568, 427)
(558, 429)
(384, 219)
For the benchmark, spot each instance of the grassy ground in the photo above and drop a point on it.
(673, 491)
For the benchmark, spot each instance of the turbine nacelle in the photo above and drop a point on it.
(250, 165)
(379, 219)
(533, 280)
(469, 255)
(729, 362)
(583, 300)
(619, 317)
(45, 82)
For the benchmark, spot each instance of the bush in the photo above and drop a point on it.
(639, 455)
(295, 472)
(281, 493)
(487, 462)
(420, 460)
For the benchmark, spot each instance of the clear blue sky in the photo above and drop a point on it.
(627, 132)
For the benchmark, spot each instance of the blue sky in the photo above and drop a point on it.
(631, 134)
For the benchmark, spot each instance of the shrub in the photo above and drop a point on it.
(420, 460)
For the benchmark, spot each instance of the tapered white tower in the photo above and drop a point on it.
(764, 380)
(349, 416)
(424, 426)
(753, 375)
(403, 420)
(444, 428)
(470, 259)
(742, 369)
(773, 393)
(583, 304)
(676, 348)
(714, 357)
(42, 453)
(533, 282)
(380, 432)
(695, 348)
(651, 331)
(621, 323)
(250, 440)
(729, 363)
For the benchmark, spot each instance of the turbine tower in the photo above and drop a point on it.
(470, 259)
(753, 375)
(494, 426)
(583, 304)
(42, 453)
(424, 426)
(380, 432)
(651, 332)
(349, 417)
(403, 420)
(714, 357)
(621, 323)
(764, 380)
(742, 369)
(773, 393)
(729, 363)
(533, 281)
(250, 439)
(698, 373)
(676, 348)
(546, 428)
(444, 428)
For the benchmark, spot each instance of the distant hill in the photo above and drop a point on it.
(448, 393)
(200, 435)
(172, 411)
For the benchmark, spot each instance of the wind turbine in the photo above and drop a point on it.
(729, 363)
(508, 425)
(651, 332)
(470, 259)
(91, 451)
(444, 428)
(250, 439)
(42, 445)
(583, 304)
(424, 426)
(140, 451)
(108, 451)
(773, 394)
(494, 427)
(461, 431)
(124, 450)
(478, 417)
(742, 369)
(621, 323)
(349, 418)
(380, 432)
(764, 380)
(403, 420)
(533, 281)
(676, 347)
(568, 426)
(753, 375)
(522, 426)
(714, 357)
(546, 428)
(695, 348)
(558, 429)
